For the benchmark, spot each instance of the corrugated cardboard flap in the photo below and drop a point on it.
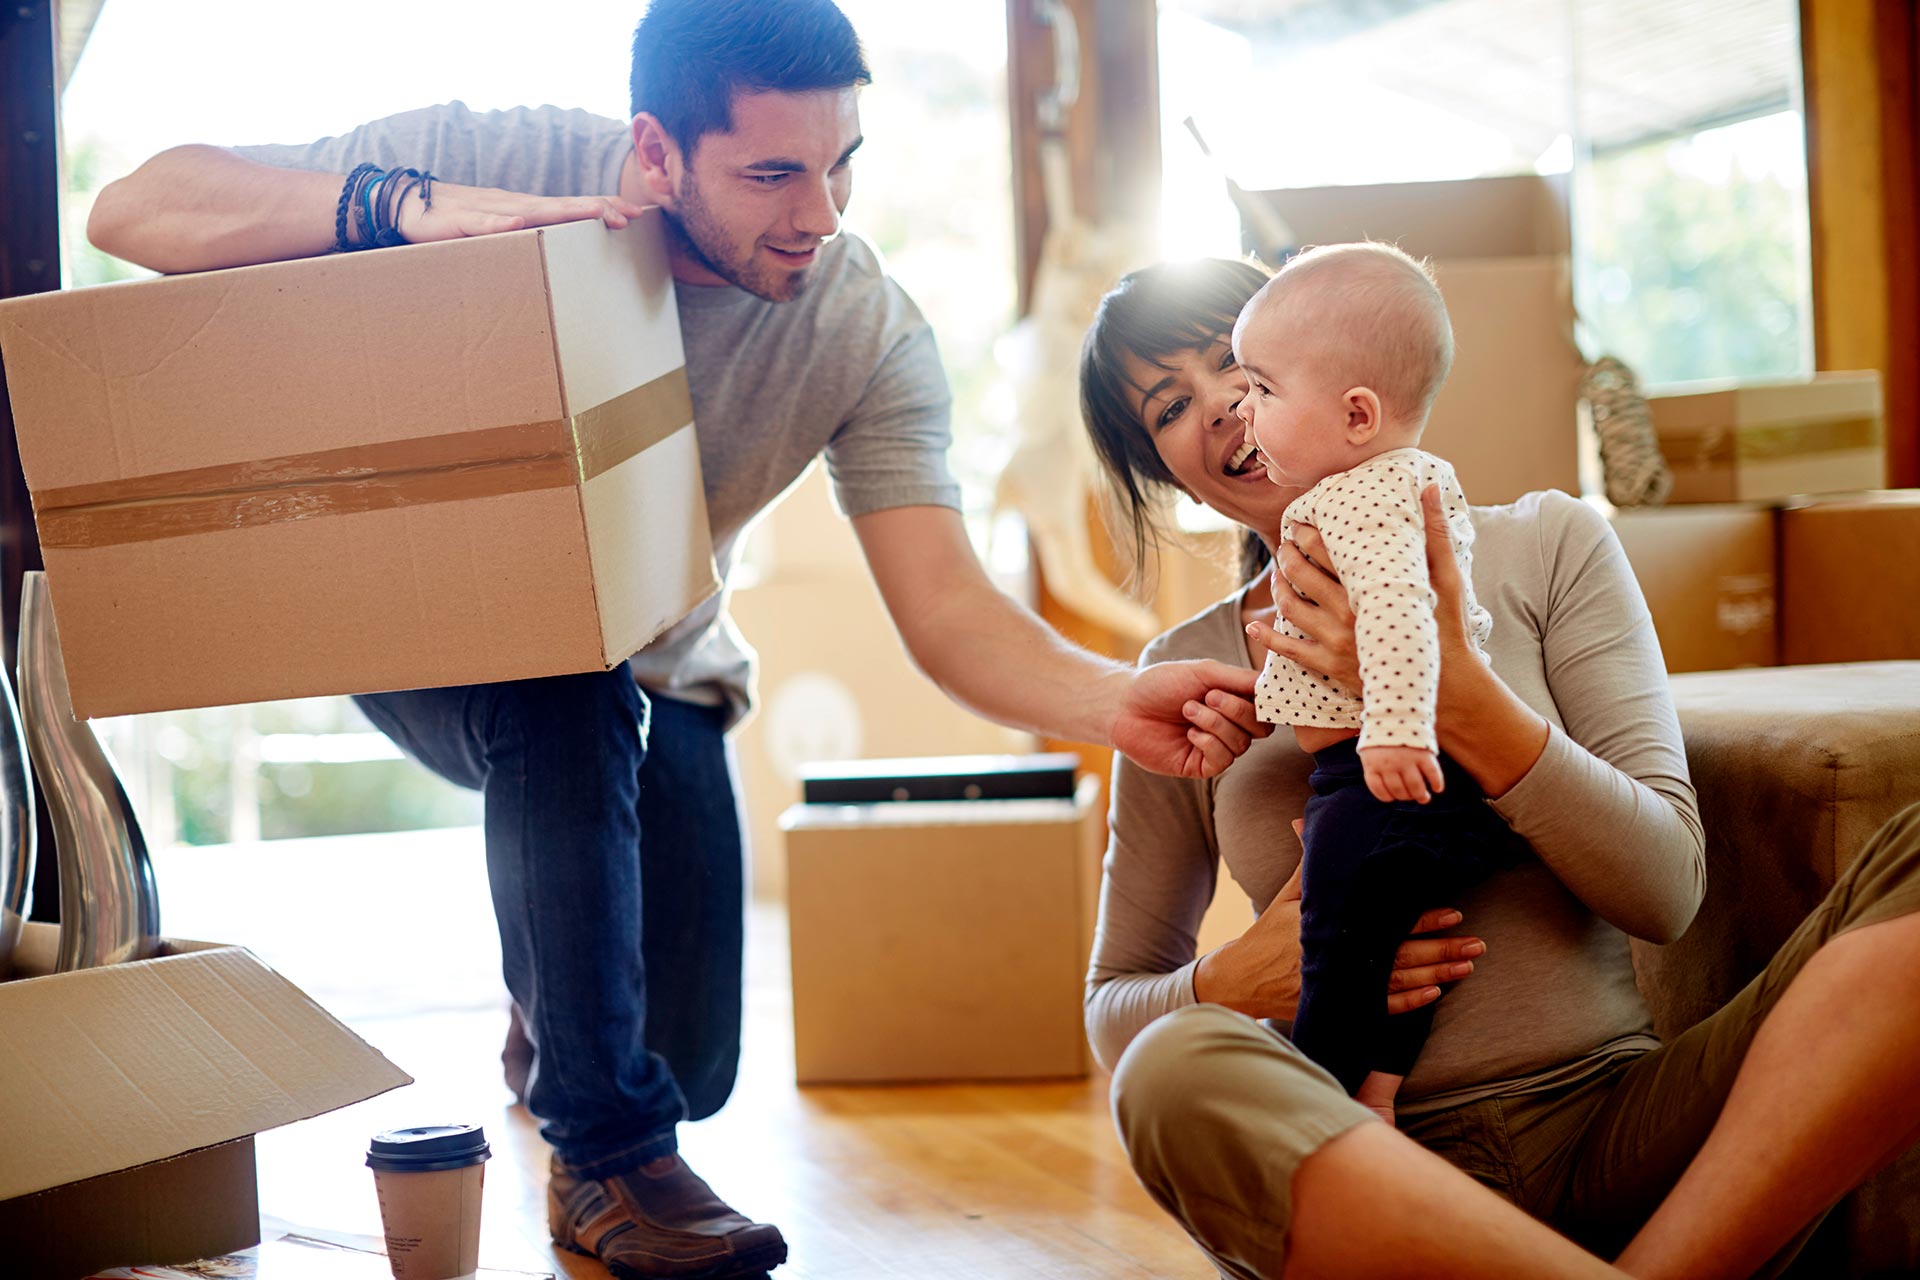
(115, 1067)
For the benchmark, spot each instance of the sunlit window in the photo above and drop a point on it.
(1681, 125)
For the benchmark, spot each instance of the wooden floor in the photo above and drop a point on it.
(973, 1181)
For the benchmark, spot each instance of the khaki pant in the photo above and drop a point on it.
(1216, 1113)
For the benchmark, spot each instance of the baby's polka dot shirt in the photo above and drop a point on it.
(1375, 533)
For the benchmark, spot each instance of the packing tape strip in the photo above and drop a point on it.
(631, 423)
(1722, 445)
(484, 463)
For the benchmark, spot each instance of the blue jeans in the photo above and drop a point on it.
(616, 862)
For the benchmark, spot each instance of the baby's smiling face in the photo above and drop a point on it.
(1343, 352)
(1300, 416)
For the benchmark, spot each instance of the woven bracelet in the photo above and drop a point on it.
(342, 242)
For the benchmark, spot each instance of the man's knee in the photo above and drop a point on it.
(598, 706)
(1884, 880)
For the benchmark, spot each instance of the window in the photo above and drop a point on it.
(1680, 124)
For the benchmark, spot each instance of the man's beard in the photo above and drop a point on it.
(700, 237)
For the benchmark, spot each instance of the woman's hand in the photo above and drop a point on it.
(1311, 598)
(1449, 599)
(1258, 973)
(1325, 616)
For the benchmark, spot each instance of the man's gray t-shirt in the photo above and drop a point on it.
(847, 370)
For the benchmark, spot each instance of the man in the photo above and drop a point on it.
(613, 842)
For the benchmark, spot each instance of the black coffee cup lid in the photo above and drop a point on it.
(428, 1148)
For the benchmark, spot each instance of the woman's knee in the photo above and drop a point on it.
(1201, 1065)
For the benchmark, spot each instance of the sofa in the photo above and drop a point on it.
(1796, 767)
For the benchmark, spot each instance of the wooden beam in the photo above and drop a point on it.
(1858, 59)
(1897, 37)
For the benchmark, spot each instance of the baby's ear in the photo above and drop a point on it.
(1363, 414)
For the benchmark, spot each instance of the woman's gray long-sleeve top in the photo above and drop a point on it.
(1608, 808)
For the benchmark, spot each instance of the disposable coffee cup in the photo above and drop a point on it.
(428, 1180)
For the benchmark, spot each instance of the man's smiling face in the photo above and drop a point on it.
(755, 204)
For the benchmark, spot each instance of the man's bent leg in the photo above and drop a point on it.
(558, 761)
(693, 900)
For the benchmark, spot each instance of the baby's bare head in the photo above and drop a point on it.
(1362, 315)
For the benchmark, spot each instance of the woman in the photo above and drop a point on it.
(1713, 1155)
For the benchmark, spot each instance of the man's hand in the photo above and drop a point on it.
(483, 211)
(1402, 773)
(1187, 719)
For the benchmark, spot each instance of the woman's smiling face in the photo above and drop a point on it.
(1186, 406)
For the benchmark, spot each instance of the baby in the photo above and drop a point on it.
(1344, 351)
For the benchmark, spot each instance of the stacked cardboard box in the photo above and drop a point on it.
(1772, 439)
(133, 1094)
(439, 464)
(1709, 579)
(1766, 555)
(1850, 578)
(1834, 578)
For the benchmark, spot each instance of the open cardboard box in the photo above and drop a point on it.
(432, 465)
(1506, 419)
(132, 1093)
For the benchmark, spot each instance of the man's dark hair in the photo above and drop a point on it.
(691, 56)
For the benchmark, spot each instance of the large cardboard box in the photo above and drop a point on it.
(1850, 578)
(439, 464)
(1763, 440)
(1507, 416)
(941, 940)
(1708, 574)
(132, 1094)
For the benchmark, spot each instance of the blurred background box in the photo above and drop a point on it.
(941, 940)
(1499, 246)
(1850, 578)
(1708, 574)
(1755, 441)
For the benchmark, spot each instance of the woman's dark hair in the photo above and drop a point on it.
(691, 56)
(1151, 315)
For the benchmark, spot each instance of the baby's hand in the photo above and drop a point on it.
(1402, 773)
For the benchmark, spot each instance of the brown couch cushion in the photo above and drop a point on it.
(1796, 767)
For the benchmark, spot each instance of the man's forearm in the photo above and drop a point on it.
(1000, 661)
(196, 208)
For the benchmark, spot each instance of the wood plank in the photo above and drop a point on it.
(938, 1182)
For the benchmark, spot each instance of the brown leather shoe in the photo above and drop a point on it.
(659, 1220)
